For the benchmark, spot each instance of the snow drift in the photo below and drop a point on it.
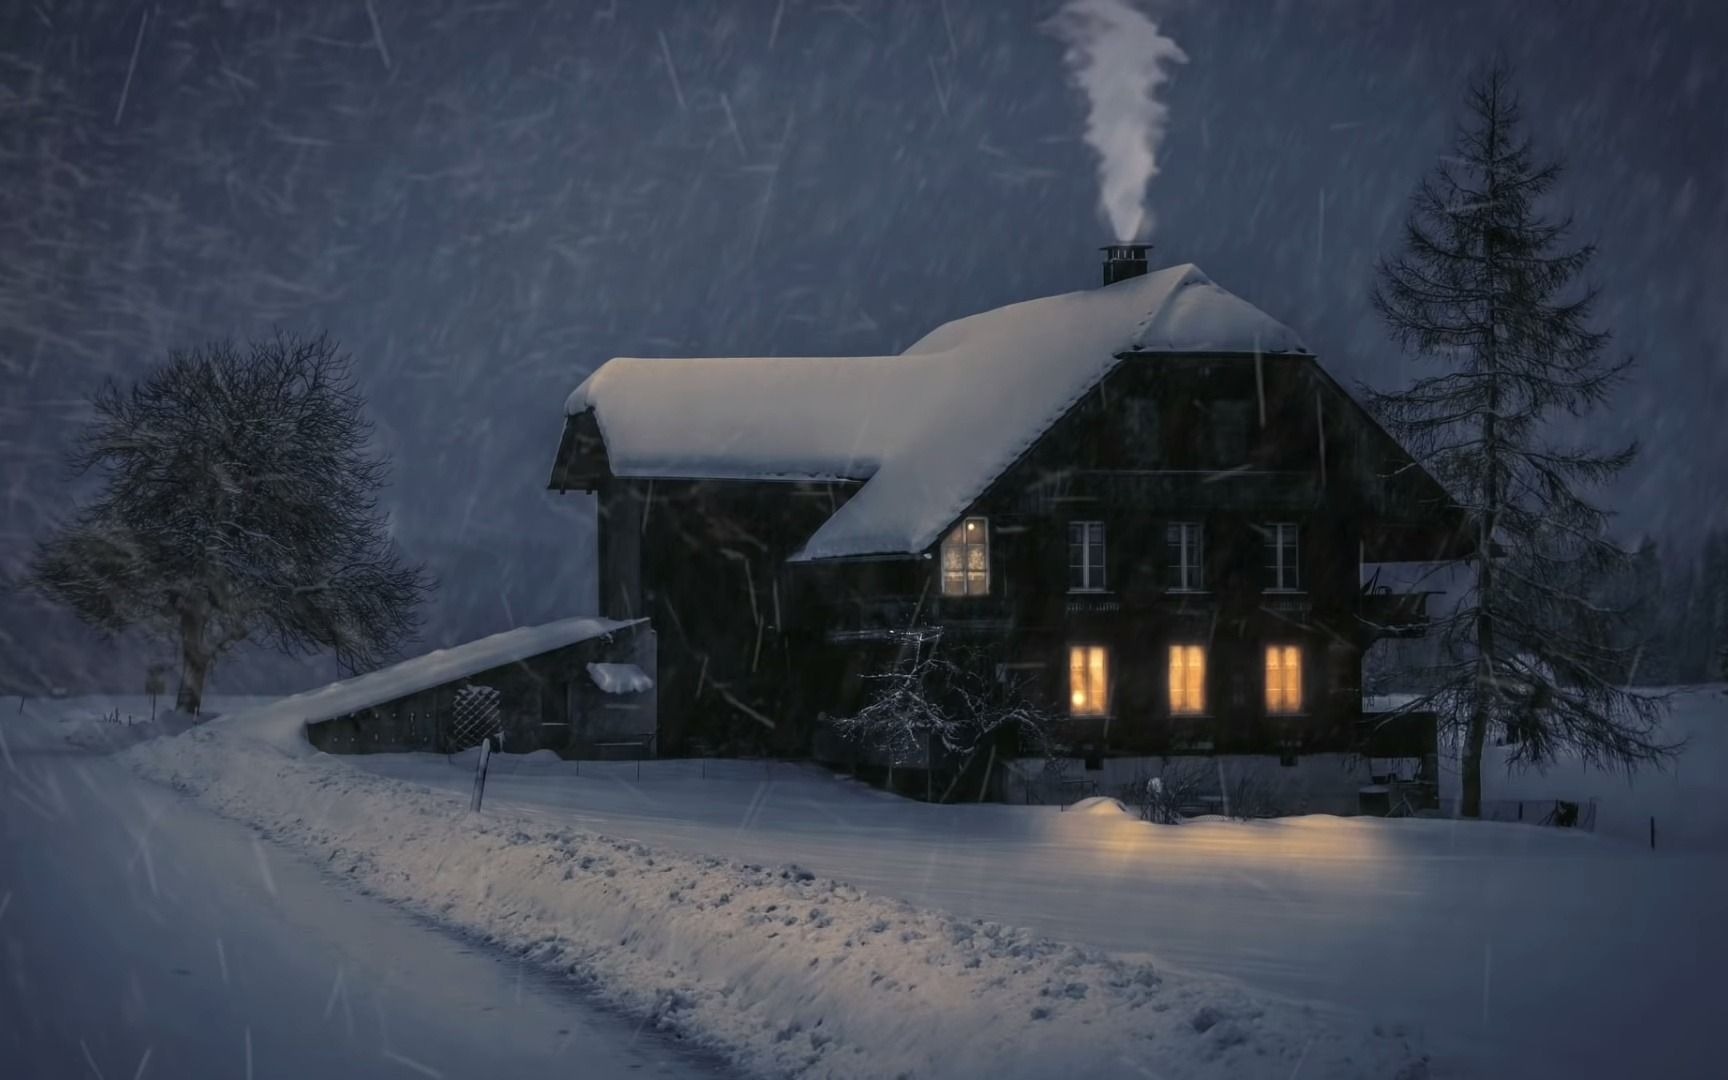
(787, 973)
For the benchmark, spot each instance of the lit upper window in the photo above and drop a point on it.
(1086, 556)
(966, 559)
(1088, 680)
(1283, 679)
(1282, 573)
(1184, 543)
(1187, 679)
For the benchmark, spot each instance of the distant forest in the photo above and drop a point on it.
(1674, 600)
(1677, 612)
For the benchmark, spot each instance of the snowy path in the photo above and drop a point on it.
(141, 936)
(1516, 950)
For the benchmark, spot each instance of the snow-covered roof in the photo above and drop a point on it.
(620, 678)
(927, 430)
(281, 721)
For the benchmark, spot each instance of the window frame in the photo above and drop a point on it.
(1278, 571)
(957, 537)
(1085, 652)
(1194, 582)
(1284, 650)
(1087, 568)
(1187, 650)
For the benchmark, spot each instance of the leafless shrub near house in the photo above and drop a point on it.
(1250, 796)
(1163, 797)
(951, 706)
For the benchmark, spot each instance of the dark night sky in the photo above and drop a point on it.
(485, 200)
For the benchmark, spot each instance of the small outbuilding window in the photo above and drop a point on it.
(966, 559)
(476, 714)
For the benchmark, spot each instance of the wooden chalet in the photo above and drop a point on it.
(1149, 499)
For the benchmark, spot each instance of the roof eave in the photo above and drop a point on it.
(802, 559)
(743, 478)
(1213, 354)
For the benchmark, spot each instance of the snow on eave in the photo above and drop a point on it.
(669, 473)
(891, 550)
(1300, 353)
(927, 430)
(746, 418)
(282, 723)
(620, 678)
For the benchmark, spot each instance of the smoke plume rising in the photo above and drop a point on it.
(1118, 57)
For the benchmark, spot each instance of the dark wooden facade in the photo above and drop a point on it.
(754, 649)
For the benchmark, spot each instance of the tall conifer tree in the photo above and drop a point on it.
(1486, 292)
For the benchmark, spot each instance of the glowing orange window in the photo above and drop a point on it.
(1283, 679)
(1187, 679)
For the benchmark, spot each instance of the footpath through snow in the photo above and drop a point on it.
(147, 938)
(786, 973)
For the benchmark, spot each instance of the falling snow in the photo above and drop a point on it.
(484, 202)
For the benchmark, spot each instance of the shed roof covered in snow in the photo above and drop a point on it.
(282, 721)
(927, 430)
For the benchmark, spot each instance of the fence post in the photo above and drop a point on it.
(1652, 832)
(480, 773)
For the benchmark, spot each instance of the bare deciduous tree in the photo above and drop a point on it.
(955, 701)
(238, 503)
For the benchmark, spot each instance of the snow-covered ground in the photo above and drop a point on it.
(1688, 800)
(1513, 949)
(781, 970)
(143, 937)
(114, 723)
(1498, 949)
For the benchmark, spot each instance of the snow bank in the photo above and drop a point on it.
(1101, 805)
(918, 427)
(110, 722)
(94, 730)
(787, 973)
(282, 723)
